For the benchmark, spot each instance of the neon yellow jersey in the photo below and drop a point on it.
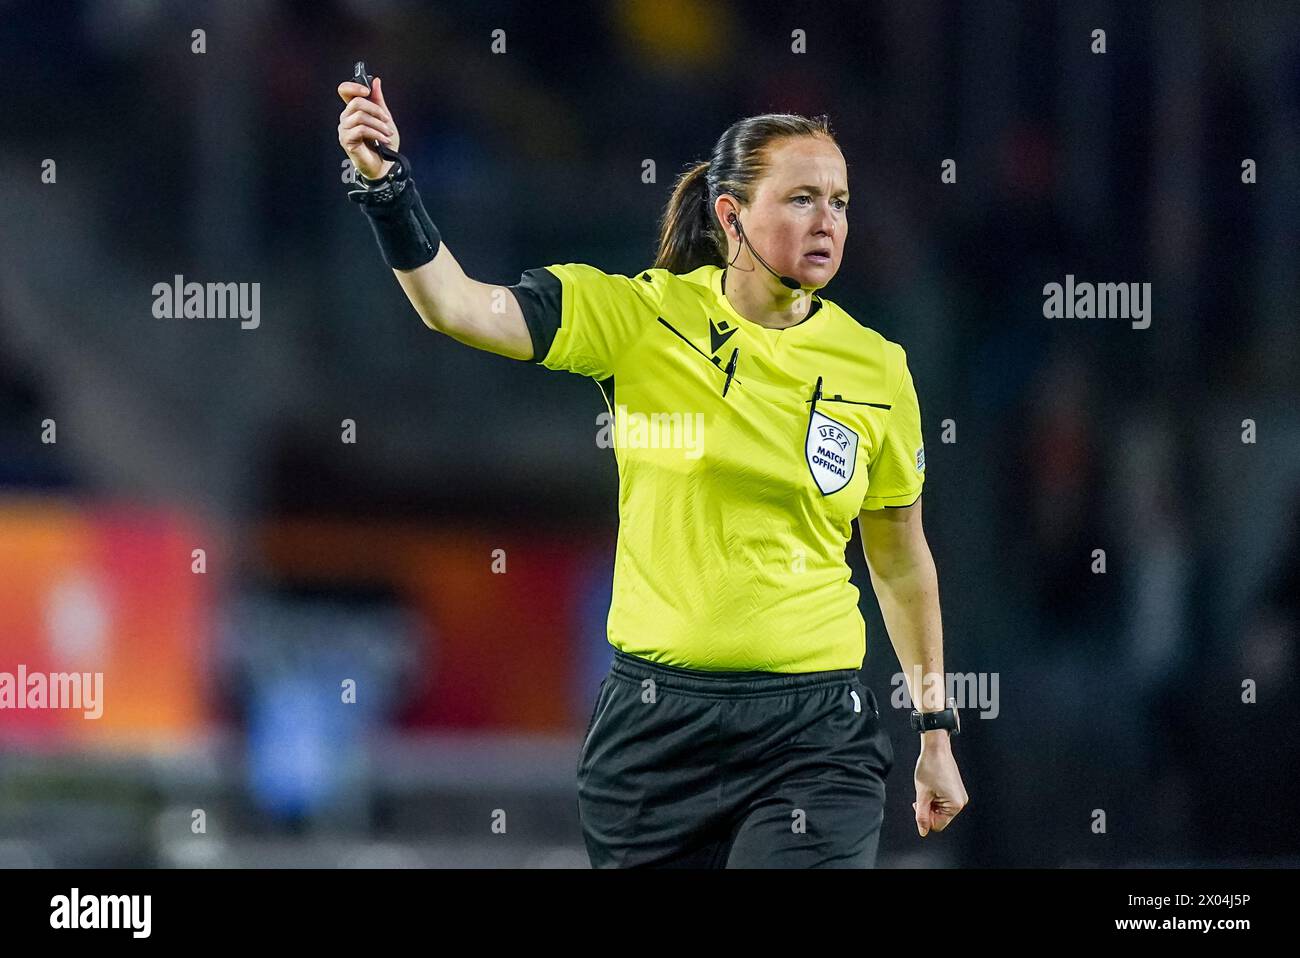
(735, 510)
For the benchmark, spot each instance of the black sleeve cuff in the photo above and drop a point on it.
(539, 293)
(909, 505)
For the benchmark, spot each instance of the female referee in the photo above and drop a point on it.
(732, 729)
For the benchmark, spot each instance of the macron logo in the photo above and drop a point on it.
(102, 911)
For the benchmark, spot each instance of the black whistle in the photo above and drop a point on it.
(359, 75)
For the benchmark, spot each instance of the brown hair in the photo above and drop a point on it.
(690, 236)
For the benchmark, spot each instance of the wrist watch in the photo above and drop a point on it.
(387, 188)
(931, 721)
(395, 173)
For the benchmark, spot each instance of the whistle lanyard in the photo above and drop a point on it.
(817, 394)
(731, 369)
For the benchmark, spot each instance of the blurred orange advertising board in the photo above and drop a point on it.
(497, 651)
(99, 602)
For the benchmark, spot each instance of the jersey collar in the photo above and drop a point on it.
(809, 326)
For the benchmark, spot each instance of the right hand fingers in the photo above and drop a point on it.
(369, 109)
(356, 142)
(349, 90)
(363, 105)
(363, 121)
(366, 120)
(360, 136)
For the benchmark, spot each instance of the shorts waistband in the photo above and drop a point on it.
(724, 683)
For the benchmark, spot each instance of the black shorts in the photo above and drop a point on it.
(691, 769)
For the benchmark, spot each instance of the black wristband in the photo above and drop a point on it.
(407, 237)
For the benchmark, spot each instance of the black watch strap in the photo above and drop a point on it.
(387, 188)
(932, 721)
(400, 170)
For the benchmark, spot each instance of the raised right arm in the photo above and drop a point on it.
(477, 314)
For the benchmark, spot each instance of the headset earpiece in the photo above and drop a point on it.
(789, 282)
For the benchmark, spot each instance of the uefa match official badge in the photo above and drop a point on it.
(832, 452)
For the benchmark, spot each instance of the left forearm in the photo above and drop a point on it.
(907, 587)
(909, 602)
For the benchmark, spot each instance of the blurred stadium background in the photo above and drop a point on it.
(373, 561)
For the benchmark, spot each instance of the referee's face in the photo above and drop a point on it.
(799, 215)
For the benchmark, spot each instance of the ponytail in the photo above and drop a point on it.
(687, 238)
